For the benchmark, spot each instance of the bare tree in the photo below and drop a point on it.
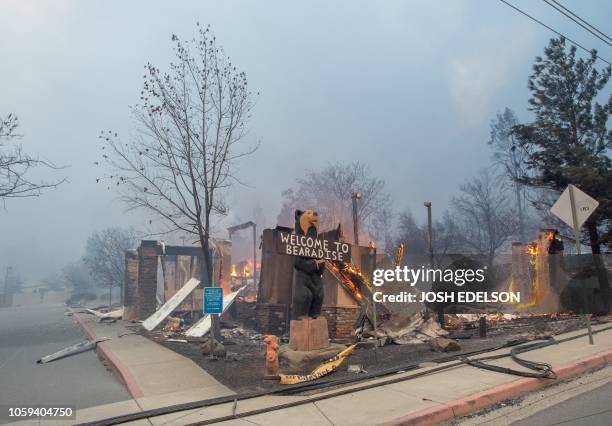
(15, 164)
(512, 157)
(191, 122)
(484, 215)
(329, 192)
(446, 235)
(105, 256)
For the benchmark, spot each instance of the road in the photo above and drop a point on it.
(28, 333)
(593, 408)
(585, 400)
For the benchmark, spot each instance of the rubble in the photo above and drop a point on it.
(411, 329)
(297, 359)
(356, 369)
(218, 351)
(107, 316)
(83, 346)
(163, 312)
(172, 325)
(442, 344)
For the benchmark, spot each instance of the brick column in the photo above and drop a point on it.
(130, 285)
(148, 253)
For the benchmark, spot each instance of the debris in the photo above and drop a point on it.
(441, 344)
(322, 370)
(83, 346)
(218, 351)
(356, 369)
(107, 316)
(297, 359)
(172, 325)
(202, 327)
(159, 315)
(412, 329)
(228, 325)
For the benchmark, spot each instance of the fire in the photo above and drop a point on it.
(246, 271)
(550, 235)
(234, 273)
(398, 255)
(533, 249)
(345, 274)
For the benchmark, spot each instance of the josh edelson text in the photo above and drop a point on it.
(430, 276)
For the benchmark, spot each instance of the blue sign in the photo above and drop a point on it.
(213, 300)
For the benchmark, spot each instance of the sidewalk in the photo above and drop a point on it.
(433, 398)
(147, 368)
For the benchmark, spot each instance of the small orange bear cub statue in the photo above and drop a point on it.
(271, 357)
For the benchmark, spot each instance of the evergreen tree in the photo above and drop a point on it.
(569, 142)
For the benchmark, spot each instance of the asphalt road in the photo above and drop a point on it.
(27, 334)
(592, 408)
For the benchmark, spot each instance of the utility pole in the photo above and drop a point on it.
(577, 238)
(255, 255)
(5, 297)
(356, 196)
(427, 204)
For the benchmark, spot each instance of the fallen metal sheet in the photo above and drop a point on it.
(161, 314)
(201, 327)
(112, 315)
(83, 346)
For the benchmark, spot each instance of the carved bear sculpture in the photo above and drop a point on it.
(308, 289)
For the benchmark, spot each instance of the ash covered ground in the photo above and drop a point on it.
(242, 369)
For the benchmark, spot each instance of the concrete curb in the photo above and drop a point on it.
(469, 404)
(119, 368)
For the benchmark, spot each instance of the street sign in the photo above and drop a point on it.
(213, 300)
(584, 207)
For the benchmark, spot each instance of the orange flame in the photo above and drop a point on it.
(234, 273)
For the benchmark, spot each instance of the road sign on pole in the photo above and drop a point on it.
(574, 207)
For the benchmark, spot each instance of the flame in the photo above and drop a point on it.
(234, 273)
(398, 255)
(345, 273)
(246, 271)
(550, 235)
(535, 262)
(533, 249)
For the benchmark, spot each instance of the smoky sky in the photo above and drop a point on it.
(408, 88)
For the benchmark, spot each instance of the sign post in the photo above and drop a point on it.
(574, 207)
(213, 304)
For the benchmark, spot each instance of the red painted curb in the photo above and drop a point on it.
(469, 404)
(119, 368)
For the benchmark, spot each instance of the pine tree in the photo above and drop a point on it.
(568, 142)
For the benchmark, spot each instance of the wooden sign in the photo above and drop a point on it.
(317, 248)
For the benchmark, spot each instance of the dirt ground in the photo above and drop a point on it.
(243, 368)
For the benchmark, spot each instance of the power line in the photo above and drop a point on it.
(580, 19)
(554, 31)
(579, 23)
